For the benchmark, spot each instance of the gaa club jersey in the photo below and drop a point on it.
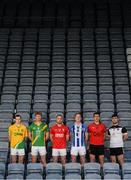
(59, 134)
(17, 136)
(96, 133)
(78, 135)
(38, 133)
(116, 136)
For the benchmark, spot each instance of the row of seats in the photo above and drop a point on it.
(64, 71)
(128, 53)
(70, 171)
(64, 14)
(74, 78)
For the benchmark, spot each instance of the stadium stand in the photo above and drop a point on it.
(64, 57)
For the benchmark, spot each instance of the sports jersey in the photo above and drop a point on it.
(78, 135)
(116, 136)
(97, 132)
(38, 133)
(17, 136)
(59, 134)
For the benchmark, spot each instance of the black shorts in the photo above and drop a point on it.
(97, 150)
(116, 151)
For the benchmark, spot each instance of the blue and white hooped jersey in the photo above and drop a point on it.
(78, 135)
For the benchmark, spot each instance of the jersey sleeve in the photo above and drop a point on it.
(47, 129)
(51, 130)
(108, 132)
(124, 130)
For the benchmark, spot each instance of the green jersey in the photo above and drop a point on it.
(38, 133)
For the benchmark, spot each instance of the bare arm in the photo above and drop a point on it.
(70, 136)
(9, 134)
(30, 135)
(47, 136)
(86, 136)
(125, 136)
(67, 137)
(51, 137)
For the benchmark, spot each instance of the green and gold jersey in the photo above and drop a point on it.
(38, 133)
(17, 136)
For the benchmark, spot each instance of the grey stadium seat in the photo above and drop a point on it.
(34, 168)
(92, 177)
(1, 177)
(90, 107)
(127, 176)
(54, 176)
(15, 177)
(112, 176)
(41, 98)
(42, 107)
(7, 107)
(106, 107)
(73, 176)
(73, 98)
(57, 98)
(111, 168)
(16, 168)
(2, 169)
(56, 107)
(73, 107)
(23, 107)
(90, 168)
(24, 98)
(123, 106)
(72, 168)
(54, 168)
(126, 168)
(25, 90)
(90, 98)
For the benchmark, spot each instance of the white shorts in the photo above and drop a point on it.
(58, 152)
(35, 150)
(15, 152)
(78, 150)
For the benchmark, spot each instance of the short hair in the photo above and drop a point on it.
(38, 113)
(18, 115)
(59, 115)
(96, 113)
(78, 113)
(114, 115)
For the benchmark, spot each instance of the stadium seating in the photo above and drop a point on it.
(63, 57)
(91, 168)
(111, 168)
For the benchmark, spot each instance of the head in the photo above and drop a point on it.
(17, 119)
(115, 119)
(78, 117)
(96, 117)
(38, 116)
(59, 119)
